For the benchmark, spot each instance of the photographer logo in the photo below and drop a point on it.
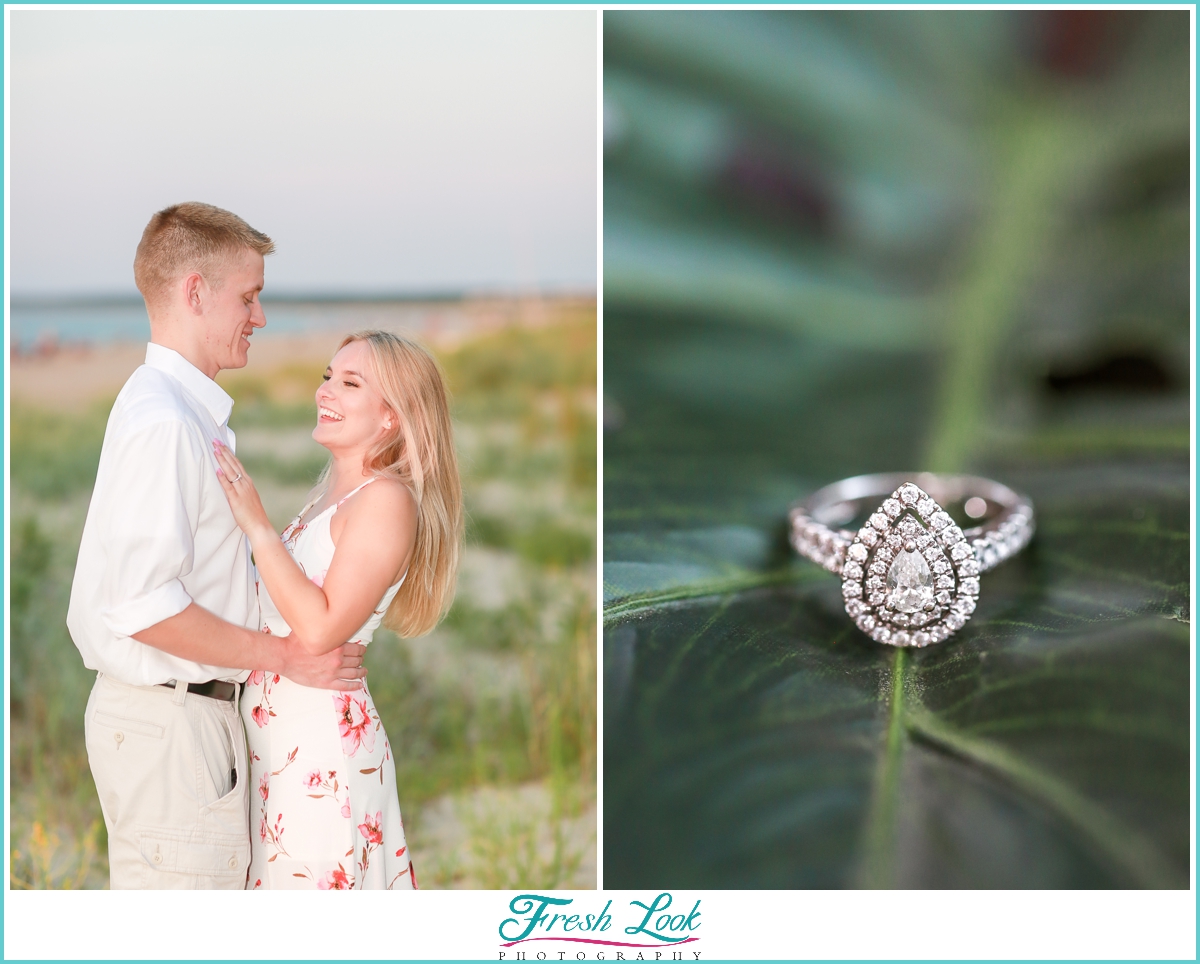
(543, 928)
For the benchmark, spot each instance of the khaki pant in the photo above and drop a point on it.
(171, 771)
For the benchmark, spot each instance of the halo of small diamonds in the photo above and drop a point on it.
(913, 526)
(910, 575)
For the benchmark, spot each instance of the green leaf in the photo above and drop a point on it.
(1046, 745)
(754, 737)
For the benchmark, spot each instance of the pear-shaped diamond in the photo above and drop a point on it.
(902, 568)
(910, 583)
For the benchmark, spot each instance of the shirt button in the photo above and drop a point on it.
(233, 862)
(119, 737)
(157, 858)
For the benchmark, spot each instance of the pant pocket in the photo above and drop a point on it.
(230, 813)
(123, 726)
(217, 758)
(220, 859)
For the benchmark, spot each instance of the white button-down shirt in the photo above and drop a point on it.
(159, 533)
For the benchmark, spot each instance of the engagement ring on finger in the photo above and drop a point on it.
(231, 481)
(910, 576)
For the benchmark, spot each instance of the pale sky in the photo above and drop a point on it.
(385, 151)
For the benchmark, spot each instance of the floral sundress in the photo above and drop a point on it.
(323, 780)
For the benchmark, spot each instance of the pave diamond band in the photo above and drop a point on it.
(910, 575)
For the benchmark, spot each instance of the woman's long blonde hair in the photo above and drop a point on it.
(419, 453)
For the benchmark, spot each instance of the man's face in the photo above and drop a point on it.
(232, 312)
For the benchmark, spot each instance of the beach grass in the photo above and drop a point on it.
(492, 716)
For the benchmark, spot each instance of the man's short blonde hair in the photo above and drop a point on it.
(191, 237)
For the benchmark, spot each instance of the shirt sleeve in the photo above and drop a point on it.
(152, 510)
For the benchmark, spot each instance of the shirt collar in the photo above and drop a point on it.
(206, 391)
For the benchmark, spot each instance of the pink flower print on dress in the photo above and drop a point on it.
(336, 880)
(319, 579)
(264, 786)
(328, 786)
(370, 828)
(292, 533)
(256, 678)
(355, 723)
(262, 713)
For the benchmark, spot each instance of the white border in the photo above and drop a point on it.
(737, 924)
(1192, 433)
(599, 448)
(7, 562)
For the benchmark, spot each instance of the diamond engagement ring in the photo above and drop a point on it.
(910, 576)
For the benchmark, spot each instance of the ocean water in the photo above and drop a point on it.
(43, 327)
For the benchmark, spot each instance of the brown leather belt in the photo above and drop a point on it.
(214, 689)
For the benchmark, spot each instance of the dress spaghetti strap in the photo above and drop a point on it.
(308, 505)
(359, 489)
(329, 508)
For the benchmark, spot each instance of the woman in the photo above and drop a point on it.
(379, 543)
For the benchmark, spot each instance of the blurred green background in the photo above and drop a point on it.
(492, 716)
(840, 242)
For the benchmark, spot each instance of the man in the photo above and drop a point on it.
(164, 605)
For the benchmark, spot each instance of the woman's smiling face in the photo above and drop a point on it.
(350, 411)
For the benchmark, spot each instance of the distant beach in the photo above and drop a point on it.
(68, 352)
(44, 326)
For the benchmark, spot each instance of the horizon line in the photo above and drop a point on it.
(64, 300)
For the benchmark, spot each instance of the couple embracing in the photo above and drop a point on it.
(230, 731)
